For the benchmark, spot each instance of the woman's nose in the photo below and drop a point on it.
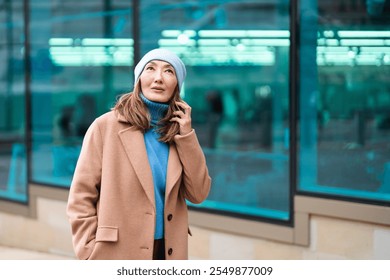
(157, 75)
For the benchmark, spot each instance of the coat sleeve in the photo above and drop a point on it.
(196, 179)
(84, 193)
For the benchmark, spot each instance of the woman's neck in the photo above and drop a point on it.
(157, 110)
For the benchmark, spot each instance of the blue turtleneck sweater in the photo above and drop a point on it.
(158, 159)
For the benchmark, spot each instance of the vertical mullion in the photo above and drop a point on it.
(27, 84)
(293, 100)
(136, 32)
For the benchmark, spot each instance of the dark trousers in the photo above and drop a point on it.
(159, 249)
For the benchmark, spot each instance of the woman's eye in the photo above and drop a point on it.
(170, 71)
(149, 68)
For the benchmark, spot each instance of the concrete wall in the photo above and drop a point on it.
(49, 231)
(330, 238)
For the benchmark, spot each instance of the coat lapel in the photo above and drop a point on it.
(134, 145)
(174, 169)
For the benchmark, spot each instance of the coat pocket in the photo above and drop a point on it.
(108, 234)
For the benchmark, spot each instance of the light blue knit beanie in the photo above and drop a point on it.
(164, 55)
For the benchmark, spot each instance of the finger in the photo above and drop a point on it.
(180, 114)
(184, 106)
(182, 103)
(178, 120)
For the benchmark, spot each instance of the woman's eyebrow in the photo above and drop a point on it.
(151, 63)
(167, 65)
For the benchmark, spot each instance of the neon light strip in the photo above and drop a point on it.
(362, 42)
(217, 47)
(60, 41)
(363, 34)
(107, 42)
(176, 33)
(244, 33)
(174, 42)
(266, 42)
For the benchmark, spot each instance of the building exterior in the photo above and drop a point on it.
(290, 100)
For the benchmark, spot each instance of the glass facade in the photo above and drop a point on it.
(81, 55)
(345, 99)
(13, 163)
(238, 84)
(237, 56)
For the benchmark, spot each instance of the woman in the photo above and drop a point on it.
(138, 164)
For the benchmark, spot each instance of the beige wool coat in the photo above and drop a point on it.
(111, 206)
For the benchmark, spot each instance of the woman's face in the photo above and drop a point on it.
(158, 81)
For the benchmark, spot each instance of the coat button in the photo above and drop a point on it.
(170, 251)
(170, 216)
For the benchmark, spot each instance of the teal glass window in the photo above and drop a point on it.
(13, 162)
(237, 59)
(81, 61)
(344, 99)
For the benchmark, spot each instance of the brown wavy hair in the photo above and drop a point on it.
(134, 110)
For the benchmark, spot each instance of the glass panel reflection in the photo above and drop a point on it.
(345, 99)
(13, 163)
(81, 56)
(237, 54)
